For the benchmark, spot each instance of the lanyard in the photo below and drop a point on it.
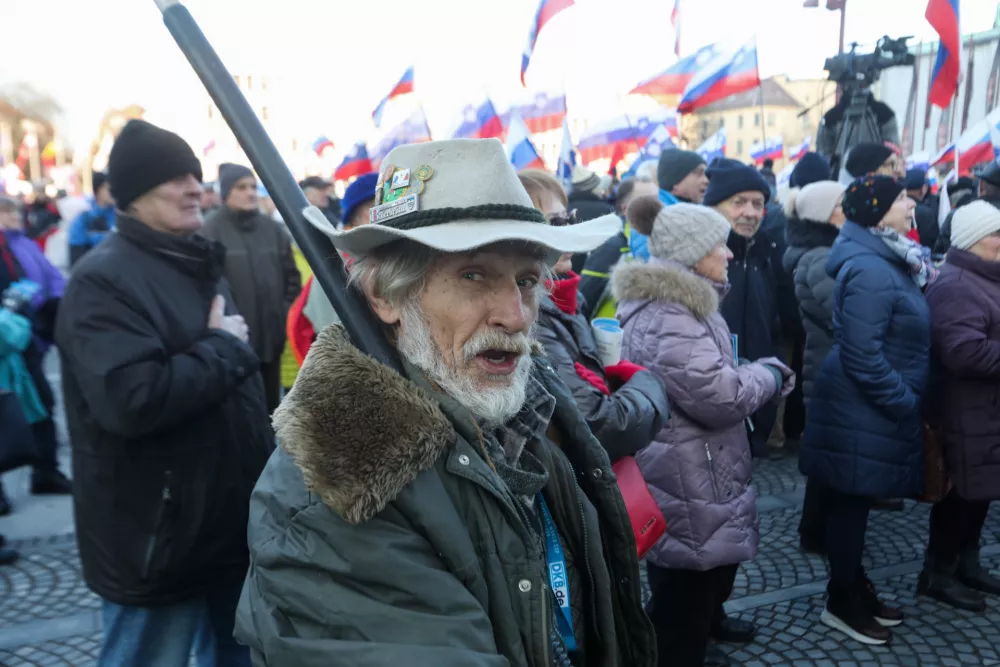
(557, 577)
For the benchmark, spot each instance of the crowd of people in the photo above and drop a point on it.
(248, 485)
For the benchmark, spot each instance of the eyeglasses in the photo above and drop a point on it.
(564, 219)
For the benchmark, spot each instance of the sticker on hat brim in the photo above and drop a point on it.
(400, 179)
(400, 207)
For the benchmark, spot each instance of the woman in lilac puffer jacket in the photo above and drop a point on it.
(698, 467)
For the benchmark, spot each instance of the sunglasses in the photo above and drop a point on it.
(564, 219)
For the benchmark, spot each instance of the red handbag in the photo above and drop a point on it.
(648, 523)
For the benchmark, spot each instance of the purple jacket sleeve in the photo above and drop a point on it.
(960, 327)
(701, 380)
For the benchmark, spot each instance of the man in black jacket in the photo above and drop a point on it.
(167, 417)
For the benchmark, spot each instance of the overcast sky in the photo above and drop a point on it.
(337, 58)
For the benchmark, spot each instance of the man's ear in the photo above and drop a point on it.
(387, 313)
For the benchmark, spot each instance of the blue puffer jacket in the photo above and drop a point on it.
(88, 229)
(863, 432)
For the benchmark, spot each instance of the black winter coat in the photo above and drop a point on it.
(927, 225)
(751, 310)
(596, 273)
(167, 418)
(808, 246)
(628, 419)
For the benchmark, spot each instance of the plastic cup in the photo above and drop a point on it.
(608, 335)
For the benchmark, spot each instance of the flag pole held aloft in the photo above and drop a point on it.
(350, 304)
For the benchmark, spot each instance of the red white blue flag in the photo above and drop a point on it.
(799, 152)
(355, 163)
(482, 122)
(624, 134)
(544, 114)
(521, 152)
(546, 10)
(714, 147)
(976, 145)
(674, 79)
(567, 158)
(943, 16)
(321, 144)
(402, 87)
(728, 74)
(413, 130)
(771, 149)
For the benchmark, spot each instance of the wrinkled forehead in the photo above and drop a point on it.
(513, 253)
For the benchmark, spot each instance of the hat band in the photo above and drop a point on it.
(483, 212)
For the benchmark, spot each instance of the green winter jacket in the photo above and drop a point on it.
(379, 535)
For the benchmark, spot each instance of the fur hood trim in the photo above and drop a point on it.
(661, 282)
(358, 431)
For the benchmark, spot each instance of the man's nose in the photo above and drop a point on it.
(508, 309)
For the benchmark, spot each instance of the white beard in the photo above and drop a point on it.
(493, 405)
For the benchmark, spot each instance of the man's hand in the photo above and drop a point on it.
(234, 324)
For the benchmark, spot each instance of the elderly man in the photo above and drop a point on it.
(460, 514)
(260, 269)
(166, 414)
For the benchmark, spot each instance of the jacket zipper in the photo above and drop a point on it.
(586, 551)
(711, 472)
(166, 497)
(546, 639)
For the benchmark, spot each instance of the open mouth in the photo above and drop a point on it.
(501, 362)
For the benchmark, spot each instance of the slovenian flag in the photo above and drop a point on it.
(947, 154)
(674, 79)
(799, 152)
(482, 122)
(402, 87)
(520, 150)
(321, 144)
(771, 149)
(567, 158)
(355, 163)
(725, 75)
(546, 10)
(413, 130)
(714, 147)
(944, 16)
(544, 114)
(976, 145)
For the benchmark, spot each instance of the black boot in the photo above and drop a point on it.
(50, 483)
(887, 617)
(972, 573)
(847, 612)
(939, 580)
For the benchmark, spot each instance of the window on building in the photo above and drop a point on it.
(249, 83)
(739, 147)
(211, 111)
(704, 127)
(237, 78)
(739, 122)
(722, 123)
(756, 120)
(295, 144)
(771, 120)
(263, 113)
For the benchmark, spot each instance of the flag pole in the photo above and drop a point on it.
(350, 304)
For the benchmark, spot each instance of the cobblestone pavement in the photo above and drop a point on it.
(49, 618)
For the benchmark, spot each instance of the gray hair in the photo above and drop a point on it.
(398, 271)
(8, 204)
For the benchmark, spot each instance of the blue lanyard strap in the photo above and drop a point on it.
(558, 578)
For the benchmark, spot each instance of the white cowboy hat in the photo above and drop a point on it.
(455, 196)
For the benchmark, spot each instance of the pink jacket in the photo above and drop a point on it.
(698, 467)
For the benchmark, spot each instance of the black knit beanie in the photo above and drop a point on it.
(145, 156)
(731, 177)
(812, 168)
(674, 167)
(866, 158)
(869, 198)
(229, 174)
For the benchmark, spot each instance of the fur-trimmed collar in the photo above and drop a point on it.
(359, 431)
(634, 281)
(808, 234)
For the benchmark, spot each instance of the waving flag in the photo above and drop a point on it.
(725, 75)
(714, 147)
(402, 87)
(658, 143)
(675, 20)
(546, 10)
(567, 158)
(542, 115)
(976, 145)
(799, 152)
(480, 122)
(321, 144)
(355, 163)
(943, 16)
(995, 138)
(623, 135)
(674, 79)
(771, 149)
(946, 154)
(413, 130)
(520, 150)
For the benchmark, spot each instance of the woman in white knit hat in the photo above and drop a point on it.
(814, 217)
(698, 467)
(965, 344)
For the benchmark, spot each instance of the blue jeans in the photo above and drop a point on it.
(166, 636)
